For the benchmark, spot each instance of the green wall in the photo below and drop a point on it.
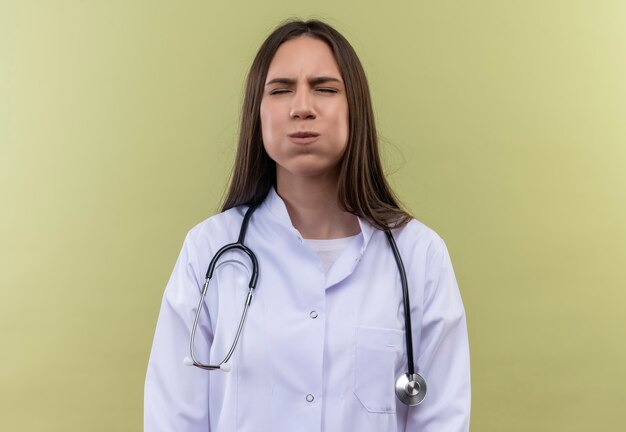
(503, 126)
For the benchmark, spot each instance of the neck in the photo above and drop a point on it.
(313, 206)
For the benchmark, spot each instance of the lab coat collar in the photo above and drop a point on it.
(275, 205)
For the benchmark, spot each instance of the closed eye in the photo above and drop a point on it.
(278, 91)
(323, 90)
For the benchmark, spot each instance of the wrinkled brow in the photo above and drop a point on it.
(312, 81)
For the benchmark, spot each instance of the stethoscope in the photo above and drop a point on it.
(410, 386)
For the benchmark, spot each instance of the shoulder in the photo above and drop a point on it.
(416, 236)
(219, 222)
(207, 236)
(427, 260)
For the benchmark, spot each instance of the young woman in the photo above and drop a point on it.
(326, 343)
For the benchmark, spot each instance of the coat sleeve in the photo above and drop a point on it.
(176, 395)
(443, 359)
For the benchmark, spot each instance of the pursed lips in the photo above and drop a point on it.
(304, 137)
(303, 134)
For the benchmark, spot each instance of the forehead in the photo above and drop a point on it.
(303, 55)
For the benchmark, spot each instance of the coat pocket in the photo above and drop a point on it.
(377, 351)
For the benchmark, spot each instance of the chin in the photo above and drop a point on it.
(309, 170)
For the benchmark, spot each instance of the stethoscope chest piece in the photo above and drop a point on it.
(411, 389)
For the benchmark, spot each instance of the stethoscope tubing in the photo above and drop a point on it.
(410, 387)
(408, 328)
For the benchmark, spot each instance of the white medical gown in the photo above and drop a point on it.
(319, 351)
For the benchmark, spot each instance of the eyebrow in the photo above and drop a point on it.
(313, 81)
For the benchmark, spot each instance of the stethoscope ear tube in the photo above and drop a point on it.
(244, 249)
(223, 365)
(192, 361)
(240, 246)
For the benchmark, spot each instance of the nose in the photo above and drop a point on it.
(301, 106)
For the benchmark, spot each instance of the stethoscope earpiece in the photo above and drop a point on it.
(411, 389)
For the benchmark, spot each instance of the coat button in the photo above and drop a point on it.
(310, 398)
(313, 314)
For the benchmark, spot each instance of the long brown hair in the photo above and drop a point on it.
(362, 187)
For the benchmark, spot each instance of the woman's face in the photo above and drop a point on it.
(304, 92)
